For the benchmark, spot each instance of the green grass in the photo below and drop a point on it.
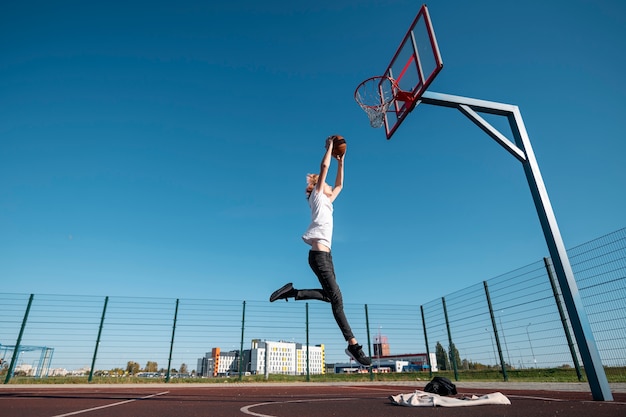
(516, 375)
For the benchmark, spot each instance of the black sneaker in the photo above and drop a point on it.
(283, 292)
(356, 353)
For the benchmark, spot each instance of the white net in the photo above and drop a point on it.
(376, 116)
(374, 95)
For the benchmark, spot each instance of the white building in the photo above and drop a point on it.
(316, 364)
(265, 357)
(289, 358)
(218, 363)
(58, 372)
(25, 368)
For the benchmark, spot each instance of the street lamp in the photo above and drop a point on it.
(521, 358)
(504, 338)
(380, 346)
(493, 348)
(531, 345)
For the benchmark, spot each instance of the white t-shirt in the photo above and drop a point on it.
(321, 227)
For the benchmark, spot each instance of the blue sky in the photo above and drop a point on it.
(160, 148)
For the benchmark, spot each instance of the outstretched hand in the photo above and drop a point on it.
(329, 142)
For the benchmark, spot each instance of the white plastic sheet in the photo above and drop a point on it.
(426, 399)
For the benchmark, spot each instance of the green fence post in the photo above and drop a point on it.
(243, 325)
(566, 328)
(308, 349)
(95, 351)
(495, 331)
(430, 365)
(369, 344)
(16, 352)
(451, 347)
(169, 361)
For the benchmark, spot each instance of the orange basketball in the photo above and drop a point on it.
(339, 145)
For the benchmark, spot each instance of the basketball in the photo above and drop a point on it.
(339, 145)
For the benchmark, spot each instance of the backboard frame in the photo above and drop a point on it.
(414, 66)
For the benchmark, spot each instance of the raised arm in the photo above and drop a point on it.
(339, 179)
(325, 165)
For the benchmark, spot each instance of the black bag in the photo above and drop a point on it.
(440, 385)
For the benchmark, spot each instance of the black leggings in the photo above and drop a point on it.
(322, 265)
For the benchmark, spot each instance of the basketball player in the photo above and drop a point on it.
(319, 236)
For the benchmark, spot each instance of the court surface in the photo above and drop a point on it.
(295, 399)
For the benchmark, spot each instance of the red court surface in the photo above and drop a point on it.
(287, 400)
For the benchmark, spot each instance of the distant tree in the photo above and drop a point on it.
(151, 367)
(116, 372)
(455, 357)
(474, 365)
(442, 357)
(132, 368)
(183, 368)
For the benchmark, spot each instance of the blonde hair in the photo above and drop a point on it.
(311, 181)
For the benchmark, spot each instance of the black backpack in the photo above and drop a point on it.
(440, 385)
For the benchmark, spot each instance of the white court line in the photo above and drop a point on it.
(246, 409)
(73, 413)
(528, 397)
(359, 388)
(562, 400)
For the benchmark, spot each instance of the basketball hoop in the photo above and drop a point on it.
(375, 94)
